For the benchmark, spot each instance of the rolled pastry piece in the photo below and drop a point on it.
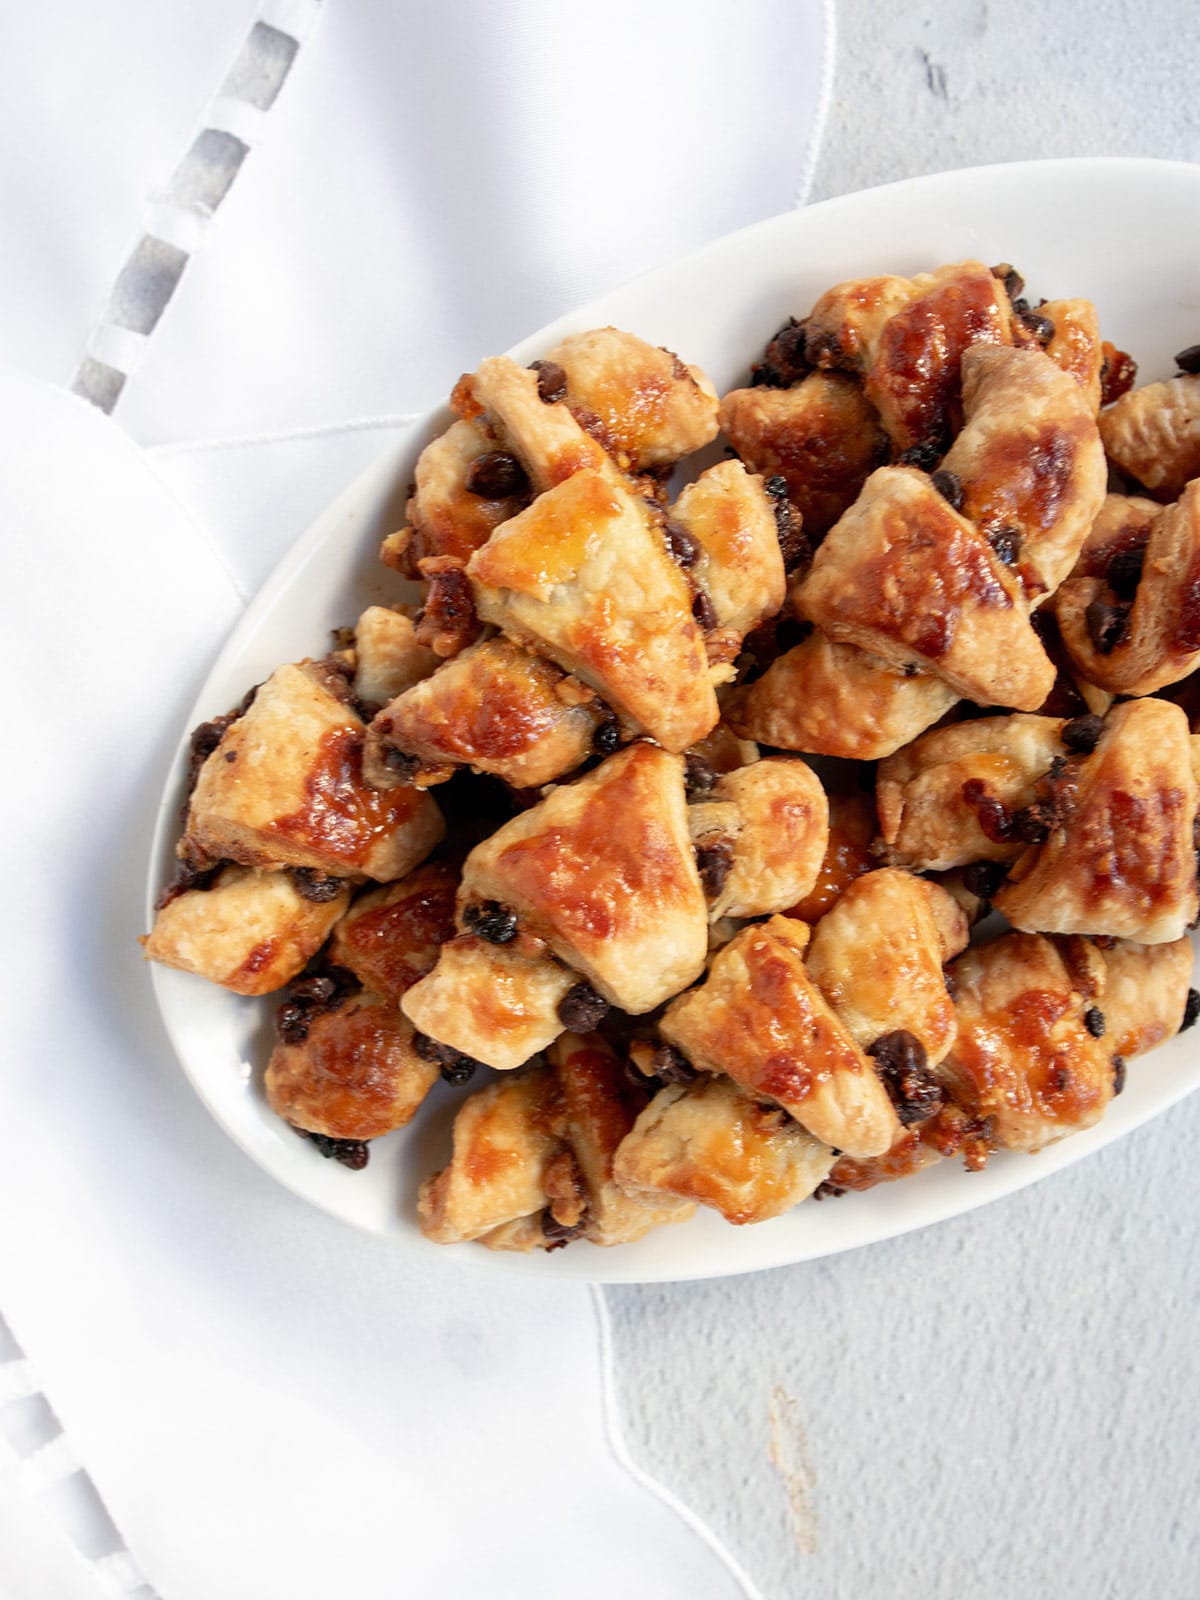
(760, 838)
(1029, 461)
(1069, 333)
(822, 437)
(1153, 434)
(904, 576)
(1146, 993)
(1118, 857)
(760, 1018)
(391, 936)
(837, 700)
(877, 957)
(585, 577)
(951, 796)
(351, 1072)
(250, 930)
(284, 788)
(495, 708)
(527, 413)
(464, 486)
(603, 871)
(489, 1002)
(642, 403)
(1137, 628)
(711, 1142)
(1031, 1054)
(731, 549)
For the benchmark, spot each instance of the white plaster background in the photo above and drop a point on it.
(1008, 1404)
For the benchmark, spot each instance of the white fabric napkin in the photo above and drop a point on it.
(268, 1402)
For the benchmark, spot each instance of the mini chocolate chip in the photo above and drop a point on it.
(581, 1009)
(698, 776)
(607, 737)
(1011, 279)
(1034, 823)
(1124, 572)
(1106, 625)
(552, 380)
(496, 475)
(923, 456)
(949, 486)
(454, 1066)
(827, 1190)
(1093, 1021)
(1057, 767)
(1006, 542)
(291, 1023)
(231, 755)
(714, 863)
(672, 1066)
(352, 1153)
(786, 351)
(685, 548)
(1189, 360)
(318, 990)
(983, 878)
(186, 876)
(766, 376)
(794, 545)
(489, 920)
(1118, 1063)
(776, 486)
(702, 610)
(1191, 1010)
(1118, 373)
(1082, 734)
(901, 1063)
(316, 886)
(401, 763)
(951, 983)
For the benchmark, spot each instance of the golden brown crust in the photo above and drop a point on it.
(740, 566)
(584, 577)
(1024, 1055)
(1153, 434)
(1075, 344)
(905, 576)
(1029, 459)
(355, 1075)
(1160, 641)
(711, 1142)
(285, 788)
(251, 932)
(759, 1018)
(915, 379)
(496, 708)
(844, 328)
(877, 958)
(837, 700)
(641, 402)
(1122, 525)
(933, 795)
(494, 1003)
(603, 871)
(1145, 993)
(1120, 858)
(504, 1142)
(823, 437)
(390, 937)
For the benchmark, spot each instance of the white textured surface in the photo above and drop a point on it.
(1007, 1404)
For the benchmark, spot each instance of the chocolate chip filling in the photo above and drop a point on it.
(1012, 280)
(309, 997)
(1124, 571)
(1082, 734)
(315, 886)
(607, 737)
(1191, 1010)
(991, 813)
(581, 1009)
(1093, 1021)
(454, 1066)
(685, 548)
(901, 1063)
(1118, 1064)
(1033, 823)
(1006, 542)
(949, 486)
(489, 920)
(352, 1153)
(1189, 360)
(714, 862)
(698, 776)
(399, 761)
(551, 381)
(496, 475)
(924, 456)
(702, 610)
(1106, 625)
(983, 878)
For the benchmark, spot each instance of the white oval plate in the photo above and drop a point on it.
(1124, 233)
